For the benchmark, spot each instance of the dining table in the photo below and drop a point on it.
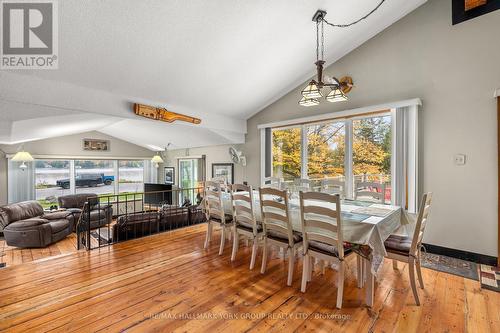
(365, 225)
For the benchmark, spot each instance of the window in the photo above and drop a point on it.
(371, 151)
(131, 176)
(325, 151)
(96, 176)
(52, 179)
(350, 150)
(286, 152)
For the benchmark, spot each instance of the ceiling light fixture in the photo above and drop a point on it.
(157, 160)
(23, 156)
(339, 88)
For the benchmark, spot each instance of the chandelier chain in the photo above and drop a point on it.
(317, 40)
(357, 21)
(322, 41)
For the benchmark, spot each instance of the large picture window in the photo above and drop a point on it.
(55, 178)
(52, 179)
(350, 150)
(371, 151)
(131, 175)
(325, 151)
(96, 176)
(286, 152)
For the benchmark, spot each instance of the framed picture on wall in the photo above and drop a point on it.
(169, 175)
(95, 145)
(223, 170)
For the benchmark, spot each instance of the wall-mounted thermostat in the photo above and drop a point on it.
(459, 159)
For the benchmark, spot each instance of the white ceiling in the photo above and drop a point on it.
(221, 61)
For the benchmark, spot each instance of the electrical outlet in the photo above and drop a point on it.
(459, 159)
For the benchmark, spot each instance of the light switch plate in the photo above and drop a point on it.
(459, 159)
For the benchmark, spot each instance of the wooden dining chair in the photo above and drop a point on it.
(333, 186)
(406, 249)
(370, 191)
(322, 233)
(215, 213)
(244, 220)
(277, 227)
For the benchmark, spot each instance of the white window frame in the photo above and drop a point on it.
(404, 146)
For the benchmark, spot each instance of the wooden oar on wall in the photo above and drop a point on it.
(155, 113)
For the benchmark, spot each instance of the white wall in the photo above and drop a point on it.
(69, 146)
(214, 154)
(454, 70)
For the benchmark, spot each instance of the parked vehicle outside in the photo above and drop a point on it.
(87, 180)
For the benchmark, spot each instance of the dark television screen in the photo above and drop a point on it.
(157, 198)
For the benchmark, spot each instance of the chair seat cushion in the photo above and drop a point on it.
(328, 249)
(398, 244)
(248, 226)
(297, 237)
(228, 218)
(58, 225)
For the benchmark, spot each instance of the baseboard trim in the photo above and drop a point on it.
(459, 254)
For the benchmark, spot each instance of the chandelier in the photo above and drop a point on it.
(338, 88)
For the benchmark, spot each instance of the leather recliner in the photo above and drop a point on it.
(25, 224)
(99, 214)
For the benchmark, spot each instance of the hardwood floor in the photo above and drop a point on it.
(11, 255)
(168, 282)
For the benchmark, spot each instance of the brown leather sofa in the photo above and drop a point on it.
(100, 214)
(25, 224)
(147, 223)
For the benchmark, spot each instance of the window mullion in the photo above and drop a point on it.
(348, 160)
(72, 175)
(303, 152)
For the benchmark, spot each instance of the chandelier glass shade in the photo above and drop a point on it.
(312, 91)
(308, 101)
(336, 95)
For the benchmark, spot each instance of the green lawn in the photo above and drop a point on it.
(104, 199)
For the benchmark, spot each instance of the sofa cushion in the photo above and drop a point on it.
(139, 218)
(58, 225)
(56, 215)
(21, 211)
(26, 224)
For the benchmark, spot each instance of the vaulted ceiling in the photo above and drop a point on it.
(221, 61)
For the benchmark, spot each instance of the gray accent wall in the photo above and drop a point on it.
(455, 71)
(214, 154)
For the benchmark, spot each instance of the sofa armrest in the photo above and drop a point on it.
(74, 210)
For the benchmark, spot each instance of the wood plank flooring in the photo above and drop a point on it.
(169, 283)
(14, 256)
